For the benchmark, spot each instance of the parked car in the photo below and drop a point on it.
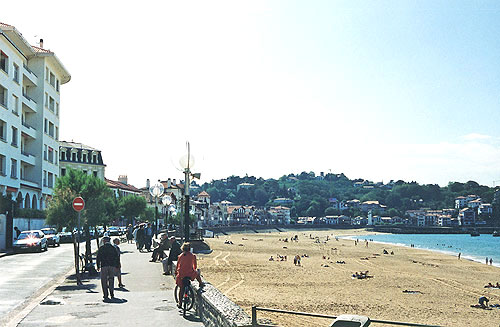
(65, 237)
(114, 231)
(51, 236)
(30, 240)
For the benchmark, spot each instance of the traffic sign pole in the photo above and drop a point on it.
(78, 205)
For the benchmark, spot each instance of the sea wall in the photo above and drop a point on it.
(216, 310)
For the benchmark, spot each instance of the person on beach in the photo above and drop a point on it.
(491, 262)
(116, 243)
(186, 267)
(486, 260)
(459, 254)
(483, 302)
(107, 263)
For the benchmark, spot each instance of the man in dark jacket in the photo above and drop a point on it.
(158, 253)
(175, 250)
(107, 261)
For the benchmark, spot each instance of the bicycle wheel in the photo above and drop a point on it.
(189, 298)
(176, 293)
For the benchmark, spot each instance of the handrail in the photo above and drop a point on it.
(26, 67)
(316, 315)
(27, 97)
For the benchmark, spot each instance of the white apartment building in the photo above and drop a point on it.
(30, 82)
(81, 157)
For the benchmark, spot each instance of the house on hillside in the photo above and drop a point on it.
(467, 217)
(280, 214)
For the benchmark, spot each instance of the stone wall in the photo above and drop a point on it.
(216, 310)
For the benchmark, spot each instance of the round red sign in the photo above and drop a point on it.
(78, 204)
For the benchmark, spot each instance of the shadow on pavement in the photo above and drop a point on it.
(115, 301)
(191, 317)
(75, 287)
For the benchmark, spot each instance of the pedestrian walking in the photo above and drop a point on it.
(107, 263)
(459, 254)
(140, 237)
(130, 233)
(116, 243)
(491, 262)
(149, 237)
(486, 260)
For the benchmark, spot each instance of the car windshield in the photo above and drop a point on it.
(49, 232)
(22, 236)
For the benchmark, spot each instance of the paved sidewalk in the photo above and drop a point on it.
(147, 299)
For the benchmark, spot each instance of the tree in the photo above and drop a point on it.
(131, 206)
(332, 211)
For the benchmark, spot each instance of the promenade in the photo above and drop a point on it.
(147, 299)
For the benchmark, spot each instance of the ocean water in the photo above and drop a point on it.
(473, 248)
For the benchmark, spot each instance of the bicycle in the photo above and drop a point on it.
(187, 295)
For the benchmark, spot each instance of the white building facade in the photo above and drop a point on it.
(30, 82)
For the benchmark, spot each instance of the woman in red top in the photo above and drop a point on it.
(186, 267)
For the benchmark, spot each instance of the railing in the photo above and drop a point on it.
(27, 97)
(29, 70)
(25, 124)
(27, 154)
(297, 313)
(28, 180)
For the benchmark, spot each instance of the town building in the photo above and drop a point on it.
(80, 157)
(467, 217)
(280, 214)
(30, 87)
(121, 187)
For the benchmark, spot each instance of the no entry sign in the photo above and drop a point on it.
(78, 204)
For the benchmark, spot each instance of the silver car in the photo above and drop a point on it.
(30, 240)
(51, 236)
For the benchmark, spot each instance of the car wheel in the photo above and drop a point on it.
(40, 248)
(58, 244)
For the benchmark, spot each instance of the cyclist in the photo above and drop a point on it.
(186, 267)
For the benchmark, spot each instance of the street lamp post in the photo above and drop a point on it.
(166, 200)
(187, 162)
(156, 191)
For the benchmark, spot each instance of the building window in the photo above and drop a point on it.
(63, 171)
(57, 85)
(57, 133)
(52, 80)
(46, 100)
(13, 168)
(84, 157)
(63, 156)
(51, 103)
(4, 62)
(51, 129)
(15, 104)
(46, 126)
(3, 96)
(44, 152)
(3, 131)
(57, 108)
(14, 136)
(95, 173)
(2, 165)
(94, 158)
(16, 73)
(50, 180)
(51, 155)
(44, 178)
(73, 156)
(46, 73)
(85, 172)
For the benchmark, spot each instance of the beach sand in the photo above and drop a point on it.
(446, 287)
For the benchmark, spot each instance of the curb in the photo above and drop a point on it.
(4, 254)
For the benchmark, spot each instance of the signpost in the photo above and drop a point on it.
(78, 205)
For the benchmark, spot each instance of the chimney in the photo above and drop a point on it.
(173, 182)
(123, 179)
(148, 184)
(41, 43)
(169, 183)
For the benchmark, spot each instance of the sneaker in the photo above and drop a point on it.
(105, 299)
(121, 285)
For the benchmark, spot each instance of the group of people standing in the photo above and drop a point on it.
(142, 234)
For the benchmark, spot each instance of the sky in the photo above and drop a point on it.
(378, 90)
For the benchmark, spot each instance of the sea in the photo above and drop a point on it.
(476, 248)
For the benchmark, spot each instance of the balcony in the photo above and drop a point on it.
(29, 103)
(30, 76)
(29, 182)
(28, 130)
(28, 158)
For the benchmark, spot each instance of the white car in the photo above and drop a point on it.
(30, 240)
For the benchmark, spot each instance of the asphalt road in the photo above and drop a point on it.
(26, 274)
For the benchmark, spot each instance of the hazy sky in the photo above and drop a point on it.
(373, 89)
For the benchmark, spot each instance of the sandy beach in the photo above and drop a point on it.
(411, 285)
